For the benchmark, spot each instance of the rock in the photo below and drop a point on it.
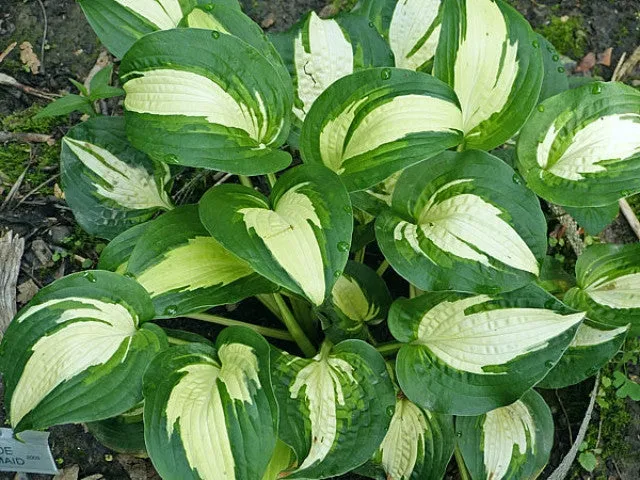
(58, 233)
(42, 252)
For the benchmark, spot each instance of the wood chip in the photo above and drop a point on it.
(137, 468)
(329, 11)
(587, 63)
(268, 21)
(70, 473)
(57, 192)
(42, 252)
(26, 291)
(11, 250)
(604, 58)
(29, 58)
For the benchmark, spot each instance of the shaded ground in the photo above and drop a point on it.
(71, 50)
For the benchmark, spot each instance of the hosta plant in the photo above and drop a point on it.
(428, 133)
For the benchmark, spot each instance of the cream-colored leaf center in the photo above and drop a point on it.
(132, 187)
(410, 22)
(587, 336)
(287, 231)
(89, 335)
(351, 300)
(621, 292)
(470, 342)
(164, 14)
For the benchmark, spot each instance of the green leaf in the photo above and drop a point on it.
(514, 441)
(414, 32)
(375, 122)
(222, 105)
(418, 445)
(210, 412)
(81, 88)
(308, 217)
(374, 200)
(334, 408)
(99, 87)
(120, 23)
(108, 184)
(77, 351)
(358, 298)
(116, 254)
(554, 278)
(594, 219)
(591, 349)
(379, 12)
(629, 389)
(122, 434)
(588, 461)
(490, 56)
(185, 270)
(582, 148)
(65, 105)
(609, 285)
(320, 51)
(463, 221)
(466, 354)
(555, 78)
(281, 460)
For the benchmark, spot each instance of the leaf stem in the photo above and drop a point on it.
(462, 468)
(267, 300)
(382, 268)
(388, 349)
(359, 256)
(271, 177)
(294, 328)
(227, 322)
(246, 181)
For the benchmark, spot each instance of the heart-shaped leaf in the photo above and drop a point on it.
(491, 57)
(591, 349)
(359, 298)
(609, 285)
(109, 185)
(375, 122)
(466, 354)
(298, 239)
(210, 412)
(186, 270)
(463, 221)
(582, 148)
(510, 442)
(77, 352)
(414, 32)
(334, 408)
(206, 99)
(418, 444)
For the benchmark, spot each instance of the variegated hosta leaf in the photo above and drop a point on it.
(231, 20)
(609, 285)
(281, 460)
(379, 12)
(373, 123)
(299, 238)
(116, 254)
(77, 352)
(374, 200)
(122, 434)
(120, 23)
(109, 185)
(463, 221)
(320, 51)
(591, 349)
(582, 148)
(492, 59)
(186, 270)
(206, 99)
(210, 413)
(358, 298)
(466, 354)
(418, 445)
(510, 442)
(334, 408)
(414, 32)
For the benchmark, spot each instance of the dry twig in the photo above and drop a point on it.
(8, 81)
(44, 34)
(26, 137)
(11, 250)
(7, 51)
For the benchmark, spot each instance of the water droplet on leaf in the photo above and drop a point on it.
(372, 25)
(171, 310)
(347, 209)
(561, 69)
(391, 410)
(215, 34)
(458, 434)
(209, 7)
(516, 179)
(536, 44)
(596, 89)
(555, 58)
(386, 73)
(541, 108)
(171, 158)
(343, 246)
(337, 273)
(549, 364)
(90, 276)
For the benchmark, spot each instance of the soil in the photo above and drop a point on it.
(70, 51)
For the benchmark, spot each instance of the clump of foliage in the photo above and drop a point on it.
(567, 34)
(394, 108)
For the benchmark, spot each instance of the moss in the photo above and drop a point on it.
(344, 5)
(14, 157)
(634, 201)
(567, 35)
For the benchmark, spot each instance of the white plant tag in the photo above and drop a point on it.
(30, 453)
